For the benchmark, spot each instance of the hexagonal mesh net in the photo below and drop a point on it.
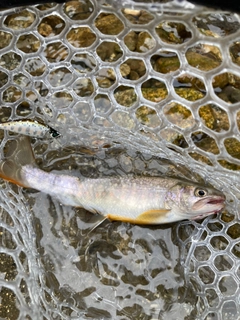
(132, 88)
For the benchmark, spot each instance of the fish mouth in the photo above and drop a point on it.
(216, 201)
(211, 200)
(212, 204)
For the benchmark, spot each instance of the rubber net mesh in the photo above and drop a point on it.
(132, 88)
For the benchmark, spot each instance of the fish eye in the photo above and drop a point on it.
(55, 134)
(200, 192)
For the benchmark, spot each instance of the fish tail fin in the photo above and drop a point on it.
(19, 153)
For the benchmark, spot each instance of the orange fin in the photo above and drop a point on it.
(8, 172)
(148, 217)
(19, 153)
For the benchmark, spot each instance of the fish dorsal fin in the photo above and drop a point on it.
(153, 216)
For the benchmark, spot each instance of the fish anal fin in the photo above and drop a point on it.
(154, 216)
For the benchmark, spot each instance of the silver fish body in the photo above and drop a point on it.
(140, 200)
(30, 128)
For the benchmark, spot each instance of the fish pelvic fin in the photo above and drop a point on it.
(102, 219)
(19, 153)
(150, 217)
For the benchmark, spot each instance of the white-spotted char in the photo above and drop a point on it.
(140, 200)
(30, 128)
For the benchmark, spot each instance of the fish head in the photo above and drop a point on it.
(192, 201)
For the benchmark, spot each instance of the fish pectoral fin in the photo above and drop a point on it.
(114, 217)
(153, 216)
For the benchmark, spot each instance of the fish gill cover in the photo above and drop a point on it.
(132, 88)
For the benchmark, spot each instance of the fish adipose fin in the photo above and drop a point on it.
(19, 154)
(148, 217)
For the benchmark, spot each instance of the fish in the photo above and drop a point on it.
(30, 128)
(134, 199)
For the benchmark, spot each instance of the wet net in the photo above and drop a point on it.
(133, 88)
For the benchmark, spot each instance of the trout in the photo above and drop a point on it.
(138, 200)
